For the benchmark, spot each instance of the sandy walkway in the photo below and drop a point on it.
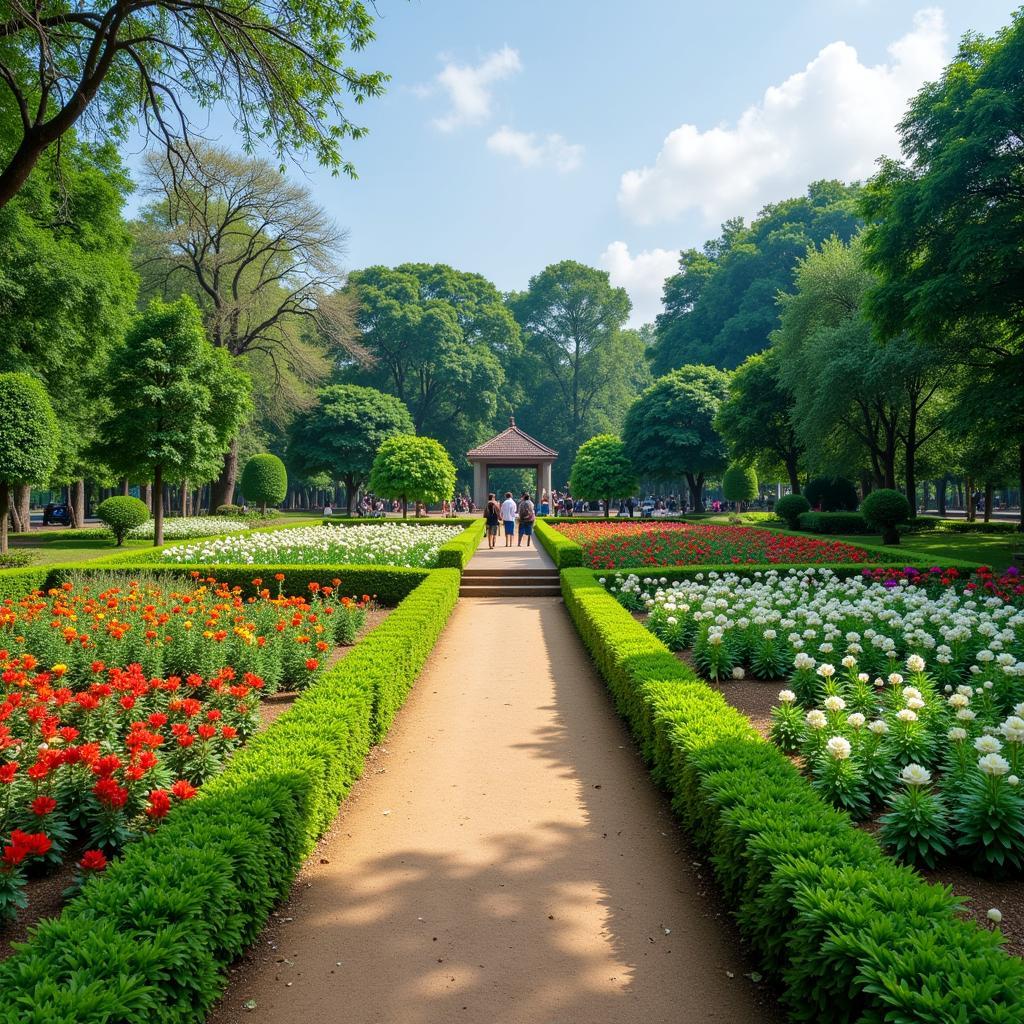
(506, 860)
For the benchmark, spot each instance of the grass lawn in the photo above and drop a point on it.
(52, 548)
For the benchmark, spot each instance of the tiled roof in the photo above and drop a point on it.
(512, 444)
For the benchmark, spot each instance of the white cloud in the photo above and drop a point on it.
(641, 275)
(831, 120)
(468, 87)
(532, 150)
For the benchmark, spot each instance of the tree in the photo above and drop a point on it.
(886, 509)
(341, 434)
(755, 419)
(944, 227)
(669, 430)
(28, 439)
(602, 470)
(265, 480)
(571, 318)
(262, 260)
(122, 513)
(739, 484)
(107, 66)
(176, 401)
(413, 469)
(720, 307)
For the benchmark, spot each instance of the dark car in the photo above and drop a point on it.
(57, 514)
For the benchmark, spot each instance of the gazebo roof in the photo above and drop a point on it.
(513, 444)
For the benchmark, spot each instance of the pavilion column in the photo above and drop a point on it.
(479, 484)
(545, 479)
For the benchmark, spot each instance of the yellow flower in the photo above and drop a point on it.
(59, 669)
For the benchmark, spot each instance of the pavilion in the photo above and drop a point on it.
(511, 448)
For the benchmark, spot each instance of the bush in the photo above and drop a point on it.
(978, 526)
(563, 551)
(229, 510)
(17, 559)
(122, 514)
(831, 494)
(833, 522)
(790, 507)
(739, 483)
(850, 934)
(152, 938)
(264, 480)
(885, 509)
(459, 550)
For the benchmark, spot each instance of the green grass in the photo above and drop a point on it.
(52, 549)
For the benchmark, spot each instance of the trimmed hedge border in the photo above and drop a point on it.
(834, 522)
(851, 935)
(565, 553)
(459, 550)
(150, 940)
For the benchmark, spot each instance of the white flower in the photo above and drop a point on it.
(956, 734)
(911, 691)
(1013, 729)
(834, 703)
(1012, 780)
(994, 915)
(993, 764)
(915, 663)
(849, 661)
(879, 727)
(856, 720)
(906, 715)
(816, 719)
(958, 700)
(862, 677)
(966, 715)
(839, 747)
(987, 745)
(787, 696)
(715, 639)
(826, 671)
(915, 775)
(895, 679)
(915, 703)
(738, 673)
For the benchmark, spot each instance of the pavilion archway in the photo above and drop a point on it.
(513, 449)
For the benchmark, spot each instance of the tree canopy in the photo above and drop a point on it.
(412, 468)
(602, 470)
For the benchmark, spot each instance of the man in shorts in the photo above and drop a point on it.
(508, 517)
(526, 517)
(492, 516)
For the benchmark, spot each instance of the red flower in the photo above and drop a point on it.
(43, 805)
(110, 794)
(8, 771)
(93, 860)
(183, 790)
(312, 664)
(159, 803)
(206, 732)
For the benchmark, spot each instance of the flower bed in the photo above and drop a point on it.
(383, 544)
(187, 527)
(614, 545)
(906, 693)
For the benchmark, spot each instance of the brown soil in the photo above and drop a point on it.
(505, 859)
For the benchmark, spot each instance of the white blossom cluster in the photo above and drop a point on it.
(189, 527)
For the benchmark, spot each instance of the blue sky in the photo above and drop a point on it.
(517, 134)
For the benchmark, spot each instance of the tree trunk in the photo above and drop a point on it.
(607, 507)
(989, 489)
(350, 494)
(124, 486)
(5, 507)
(696, 484)
(158, 506)
(969, 499)
(405, 507)
(794, 476)
(910, 456)
(940, 495)
(222, 491)
(77, 503)
(20, 508)
(1020, 493)
(184, 497)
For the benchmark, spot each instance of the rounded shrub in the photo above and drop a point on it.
(791, 507)
(885, 509)
(831, 494)
(739, 483)
(229, 510)
(264, 480)
(122, 514)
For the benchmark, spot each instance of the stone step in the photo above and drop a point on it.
(489, 588)
(494, 573)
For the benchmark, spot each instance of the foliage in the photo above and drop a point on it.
(886, 509)
(791, 507)
(341, 434)
(182, 527)
(278, 67)
(669, 430)
(413, 469)
(264, 480)
(833, 522)
(456, 553)
(739, 483)
(564, 551)
(720, 307)
(122, 513)
(602, 470)
(832, 494)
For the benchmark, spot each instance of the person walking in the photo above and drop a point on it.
(545, 506)
(492, 516)
(508, 517)
(527, 515)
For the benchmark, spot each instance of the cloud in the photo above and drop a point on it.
(532, 150)
(831, 120)
(641, 275)
(468, 87)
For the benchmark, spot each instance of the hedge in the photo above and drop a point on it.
(834, 522)
(151, 939)
(850, 935)
(459, 550)
(565, 553)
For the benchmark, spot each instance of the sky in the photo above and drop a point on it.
(517, 134)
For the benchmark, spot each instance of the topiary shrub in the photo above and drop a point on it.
(264, 480)
(122, 514)
(831, 494)
(885, 509)
(229, 510)
(791, 507)
(739, 483)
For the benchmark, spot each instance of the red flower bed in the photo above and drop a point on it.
(612, 545)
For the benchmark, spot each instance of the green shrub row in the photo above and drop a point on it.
(962, 526)
(834, 522)
(459, 550)
(849, 934)
(15, 583)
(565, 553)
(150, 940)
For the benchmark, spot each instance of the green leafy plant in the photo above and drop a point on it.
(885, 509)
(790, 507)
(121, 514)
(412, 469)
(264, 480)
(916, 823)
(831, 494)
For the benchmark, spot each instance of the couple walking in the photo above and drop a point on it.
(508, 512)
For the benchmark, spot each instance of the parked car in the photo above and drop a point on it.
(57, 514)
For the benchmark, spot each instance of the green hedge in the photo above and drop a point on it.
(565, 553)
(459, 550)
(849, 934)
(834, 522)
(150, 940)
(979, 526)
(15, 583)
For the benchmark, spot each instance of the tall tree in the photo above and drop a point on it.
(341, 434)
(670, 429)
(720, 307)
(412, 469)
(603, 470)
(262, 259)
(176, 401)
(945, 230)
(107, 66)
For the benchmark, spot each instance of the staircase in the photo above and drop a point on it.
(540, 582)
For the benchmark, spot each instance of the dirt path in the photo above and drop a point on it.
(505, 860)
